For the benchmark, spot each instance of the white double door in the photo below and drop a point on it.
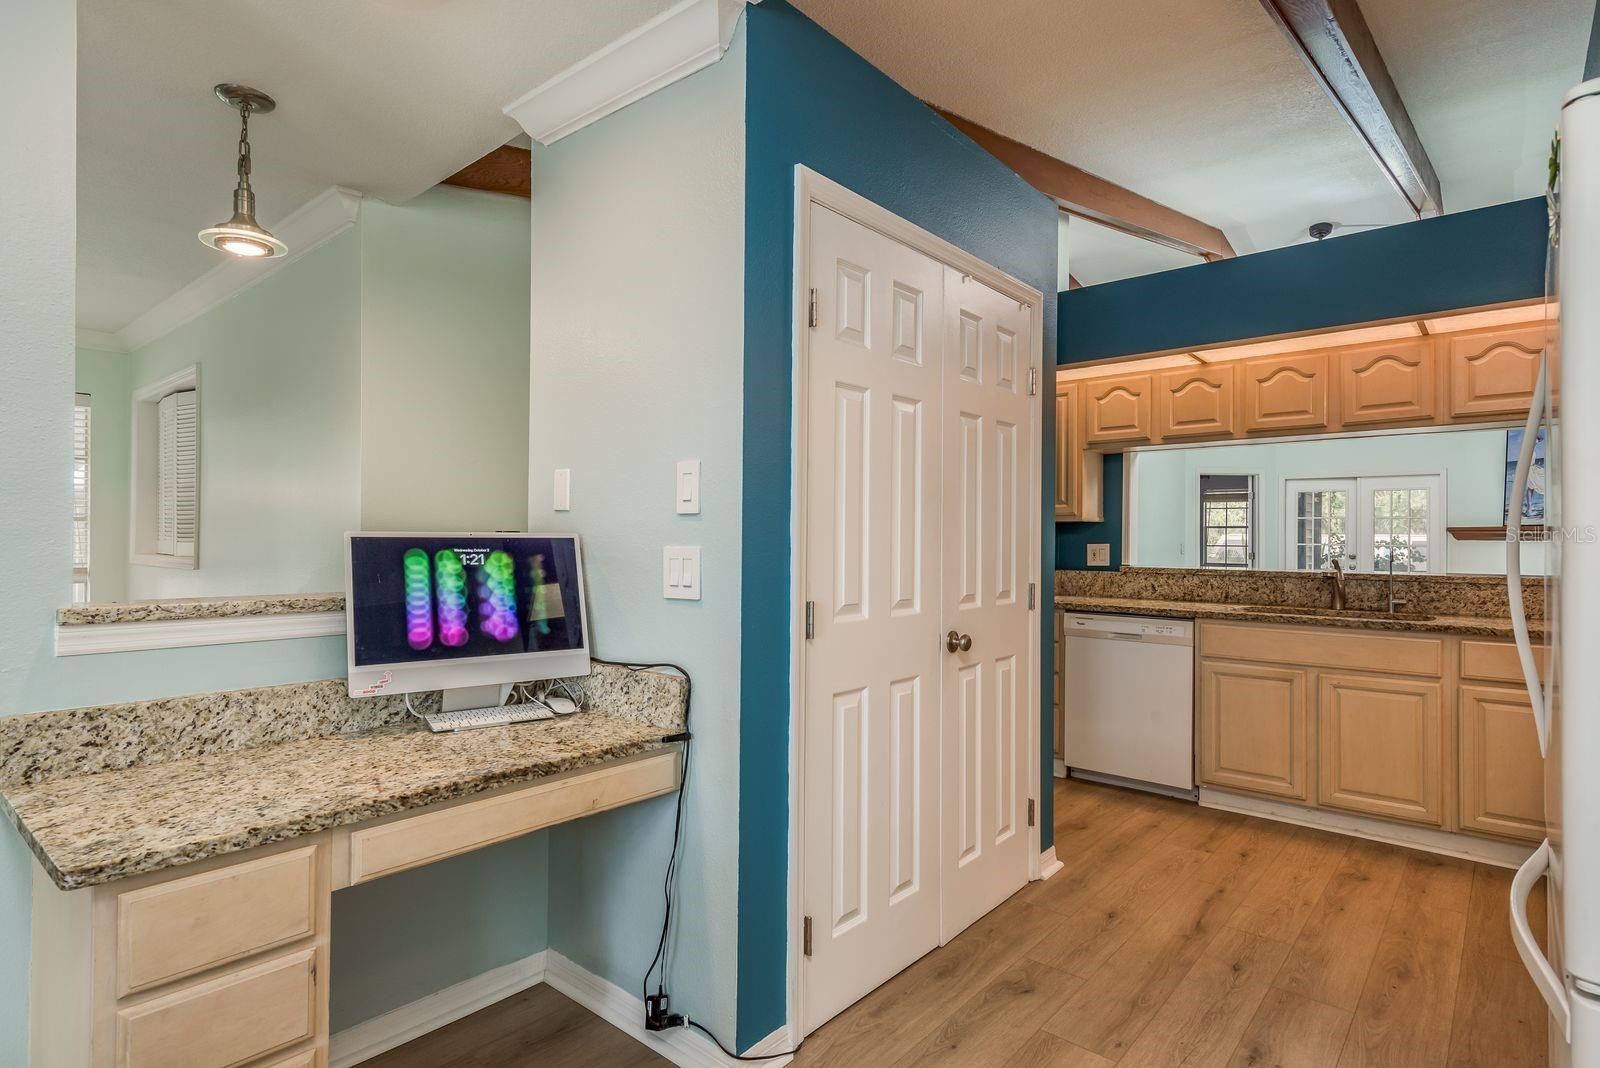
(918, 470)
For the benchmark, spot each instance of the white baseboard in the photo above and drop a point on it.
(1462, 846)
(625, 1011)
(1048, 864)
(399, 1026)
(1061, 769)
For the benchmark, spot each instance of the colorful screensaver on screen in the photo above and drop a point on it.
(419, 598)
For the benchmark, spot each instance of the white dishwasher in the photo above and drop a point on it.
(1128, 684)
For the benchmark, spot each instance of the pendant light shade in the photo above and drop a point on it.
(241, 235)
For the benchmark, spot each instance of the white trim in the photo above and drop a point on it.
(1061, 768)
(79, 639)
(1463, 846)
(814, 188)
(1048, 864)
(320, 219)
(685, 38)
(625, 1011)
(99, 341)
(395, 1028)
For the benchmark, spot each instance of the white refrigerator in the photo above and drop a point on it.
(1566, 697)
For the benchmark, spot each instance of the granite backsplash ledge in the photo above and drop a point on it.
(1481, 596)
(86, 741)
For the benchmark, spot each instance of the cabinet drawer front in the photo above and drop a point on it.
(178, 928)
(1348, 650)
(1387, 383)
(1502, 773)
(224, 1021)
(407, 843)
(1379, 748)
(1253, 728)
(1495, 661)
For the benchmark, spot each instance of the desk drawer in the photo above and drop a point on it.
(224, 1021)
(416, 840)
(178, 928)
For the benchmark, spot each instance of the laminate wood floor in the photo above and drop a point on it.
(1175, 935)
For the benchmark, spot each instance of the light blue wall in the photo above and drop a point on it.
(1166, 516)
(638, 253)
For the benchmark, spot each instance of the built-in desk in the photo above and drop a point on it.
(181, 908)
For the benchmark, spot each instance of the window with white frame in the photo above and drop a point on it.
(1365, 523)
(166, 472)
(80, 498)
(1227, 520)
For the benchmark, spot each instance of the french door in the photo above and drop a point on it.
(913, 746)
(1363, 522)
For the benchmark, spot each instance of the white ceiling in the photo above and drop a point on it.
(1204, 106)
(382, 96)
(1094, 253)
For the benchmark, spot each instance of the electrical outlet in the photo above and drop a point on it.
(1099, 555)
(680, 572)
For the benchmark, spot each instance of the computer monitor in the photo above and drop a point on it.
(446, 611)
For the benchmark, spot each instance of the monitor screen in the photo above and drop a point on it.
(463, 604)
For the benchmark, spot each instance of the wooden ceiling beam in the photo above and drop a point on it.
(1092, 197)
(508, 169)
(1333, 40)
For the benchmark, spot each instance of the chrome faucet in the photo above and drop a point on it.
(1338, 584)
(1394, 602)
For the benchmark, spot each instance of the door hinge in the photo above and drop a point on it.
(1033, 381)
(811, 619)
(805, 936)
(1032, 596)
(811, 315)
(1031, 816)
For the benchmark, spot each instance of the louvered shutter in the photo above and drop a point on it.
(178, 488)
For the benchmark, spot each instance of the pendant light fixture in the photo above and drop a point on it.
(242, 235)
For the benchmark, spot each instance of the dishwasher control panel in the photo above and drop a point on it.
(1110, 626)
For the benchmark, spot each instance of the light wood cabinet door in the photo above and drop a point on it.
(1379, 747)
(1492, 372)
(1284, 393)
(1253, 728)
(1069, 470)
(1117, 410)
(1502, 773)
(1392, 382)
(1195, 402)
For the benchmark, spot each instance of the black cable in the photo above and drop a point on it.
(672, 861)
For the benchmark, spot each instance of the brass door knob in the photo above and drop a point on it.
(956, 642)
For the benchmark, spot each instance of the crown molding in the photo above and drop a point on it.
(99, 340)
(687, 37)
(320, 219)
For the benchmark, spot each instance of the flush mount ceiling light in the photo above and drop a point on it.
(242, 235)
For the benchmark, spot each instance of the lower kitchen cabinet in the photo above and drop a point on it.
(1253, 727)
(1380, 747)
(1502, 773)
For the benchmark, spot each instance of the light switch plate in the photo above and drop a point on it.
(1099, 555)
(688, 487)
(562, 493)
(680, 572)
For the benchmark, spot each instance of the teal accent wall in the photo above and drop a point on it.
(810, 100)
(1472, 258)
(1073, 539)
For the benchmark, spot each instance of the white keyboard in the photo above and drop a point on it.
(495, 716)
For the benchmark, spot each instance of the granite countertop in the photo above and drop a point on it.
(1478, 626)
(198, 608)
(91, 829)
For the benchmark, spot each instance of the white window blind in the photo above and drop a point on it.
(178, 474)
(80, 497)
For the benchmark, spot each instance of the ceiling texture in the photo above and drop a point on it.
(1202, 105)
(385, 97)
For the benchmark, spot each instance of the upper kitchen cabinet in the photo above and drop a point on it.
(1196, 402)
(1391, 382)
(1117, 411)
(1285, 393)
(1492, 372)
(1079, 494)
